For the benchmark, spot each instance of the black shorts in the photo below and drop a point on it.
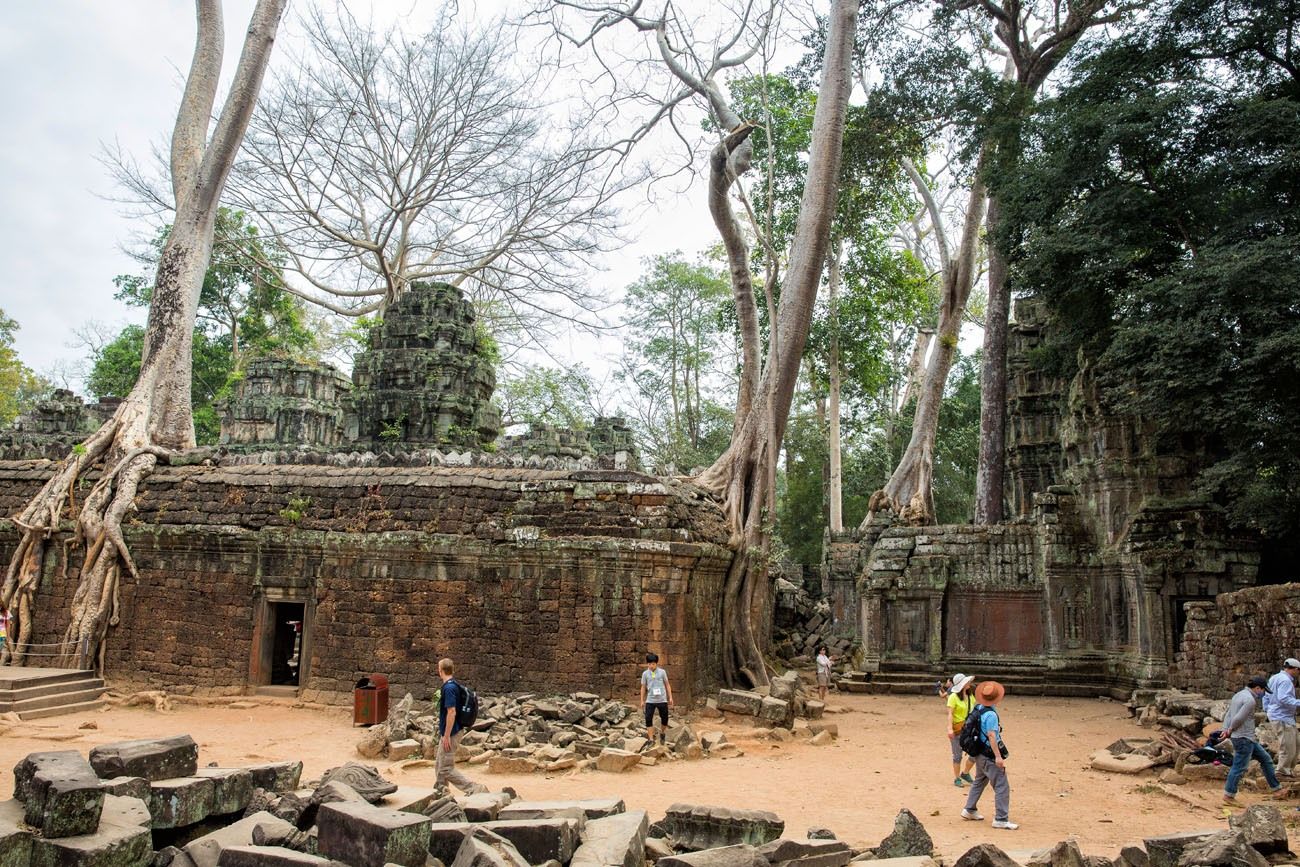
(651, 707)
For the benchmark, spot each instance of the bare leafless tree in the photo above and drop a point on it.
(681, 64)
(380, 158)
(154, 420)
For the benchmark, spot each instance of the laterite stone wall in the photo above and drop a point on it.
(530, 579)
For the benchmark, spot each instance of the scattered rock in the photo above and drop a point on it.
(909, 838)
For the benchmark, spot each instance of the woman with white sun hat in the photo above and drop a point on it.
(960, 703)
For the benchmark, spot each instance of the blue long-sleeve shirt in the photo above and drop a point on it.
(1281, 704)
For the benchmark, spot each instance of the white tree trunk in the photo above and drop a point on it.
(836, 484)
(155, 419)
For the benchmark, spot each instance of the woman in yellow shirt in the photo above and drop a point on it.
(961, 700)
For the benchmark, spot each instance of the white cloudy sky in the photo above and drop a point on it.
(77, 74)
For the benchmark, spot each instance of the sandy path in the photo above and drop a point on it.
(891, 754)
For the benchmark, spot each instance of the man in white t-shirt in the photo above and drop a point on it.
(656, 697)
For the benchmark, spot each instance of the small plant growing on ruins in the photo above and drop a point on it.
(294, 511)
(391, 431)
(79, 450)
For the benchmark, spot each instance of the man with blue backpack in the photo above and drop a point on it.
(981, 738)
(457, 708)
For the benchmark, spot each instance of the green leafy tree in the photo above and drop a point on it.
(20, 387)
(243, 296)
(548, 395)
(1158, 212)
(678, 324)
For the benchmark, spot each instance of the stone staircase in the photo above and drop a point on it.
(1027, 681)
(35, 693)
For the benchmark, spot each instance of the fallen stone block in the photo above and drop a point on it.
(126, 787)
(914, 861)
(60, 763)
(268, 856)
(1224, 849)
(232, 789)
(656, 848)
(119, 840)
(1263, 829)
(63, 798)
(741, 855)
(206, 850)
(613, 841)
(276, 776)
(1063, 854)
(541, 840)
(807, 853)
(483, 848)
(511, 765)
(985, 855)
(182, 801)
(1132, 856)
(695, 827)
(154, 758)
(446, 838)
(776, 711)
(1166, 850)
(816, 727)
(486, 806)
(813, 709)
(410, 799)
(740, 701)
(362, 835)
(908, 839)
(403, 749)
(617, 761)
(15, 838)
(592, 808)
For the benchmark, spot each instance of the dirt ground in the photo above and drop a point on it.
(891, 753)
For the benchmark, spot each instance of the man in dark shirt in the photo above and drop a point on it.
(449, 732)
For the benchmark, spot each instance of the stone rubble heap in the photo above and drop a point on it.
(777, 706)
(801, 624)
(1180, 722)
(148, 804)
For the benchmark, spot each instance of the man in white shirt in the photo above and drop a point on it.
(656, 697)
(1280, 705)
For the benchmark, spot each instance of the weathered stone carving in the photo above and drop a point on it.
(363, 779)
(427, 377)
(279, 402)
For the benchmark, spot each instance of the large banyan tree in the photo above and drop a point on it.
(154, 421)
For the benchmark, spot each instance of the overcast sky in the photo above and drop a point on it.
(76, 74)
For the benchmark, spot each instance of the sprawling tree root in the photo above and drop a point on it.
(121, 446)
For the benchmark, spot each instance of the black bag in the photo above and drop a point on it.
(467, 707)
(969, 739)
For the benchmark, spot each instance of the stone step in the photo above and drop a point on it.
(14, 696)
(60, 711)
(48, 702)
(18, 677)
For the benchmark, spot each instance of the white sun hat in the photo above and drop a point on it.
(960, 682)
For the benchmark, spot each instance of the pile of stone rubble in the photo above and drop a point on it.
(148, 804)
(1180, 722)
(801, 624)
(526, 733)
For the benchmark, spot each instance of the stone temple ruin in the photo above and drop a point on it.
(1083, 591)
(348, 527)
(344, 527)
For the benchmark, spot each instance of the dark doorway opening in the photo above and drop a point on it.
(286, 643)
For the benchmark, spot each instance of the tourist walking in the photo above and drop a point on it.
(824, 663)
(990, 765)
(961, 701)
(1280, 705)
(656, 697)
(1239, 726)
(449, 732)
